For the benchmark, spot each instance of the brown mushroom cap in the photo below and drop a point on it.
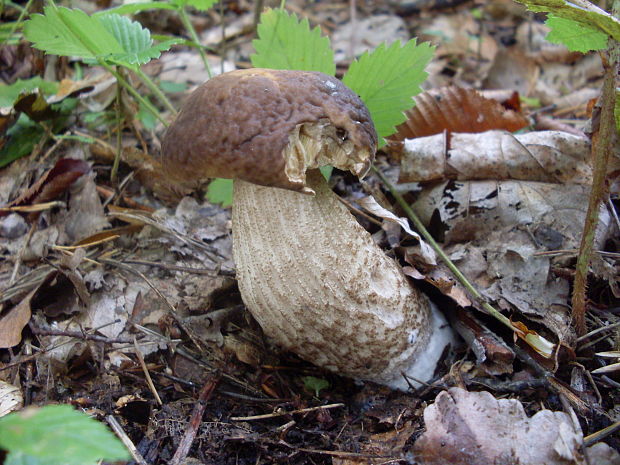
(267, 127)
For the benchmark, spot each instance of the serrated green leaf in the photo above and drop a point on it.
(594, 18)
(386, 79)
(575, 36)
(134, 39)
(59, 434)
(66, 32)
(132, 8)
(284, 42)
(220, 191)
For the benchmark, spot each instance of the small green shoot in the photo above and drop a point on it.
(315, 384)
(181, 8)
(220, 191)
(107, 39)
(575, 36)
(57, 435)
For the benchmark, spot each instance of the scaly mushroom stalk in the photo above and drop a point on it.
(320, 287)
(308, 272)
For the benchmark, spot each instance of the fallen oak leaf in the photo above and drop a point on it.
(473, 427)
(13, 321)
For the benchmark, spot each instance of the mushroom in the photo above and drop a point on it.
(308, 272)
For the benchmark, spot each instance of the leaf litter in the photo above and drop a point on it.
(166, 281)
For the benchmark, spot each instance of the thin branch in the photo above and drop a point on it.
(194, 423)
(601, 150)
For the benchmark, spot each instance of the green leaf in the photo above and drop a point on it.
(202, 5)
(315, 384)
(114, 38)
(66, 32)
(131, 8)
(387, 79)
(575, 36)
(19, 458)
(593, 17)
(135, 41)
(286, 43)
(326, 171)
(220, 191)
(59, 434)
(9, 93)
(22, 137)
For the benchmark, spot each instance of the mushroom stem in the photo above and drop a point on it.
(320, 287)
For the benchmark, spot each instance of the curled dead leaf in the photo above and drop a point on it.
(455, 109)
(543, 156)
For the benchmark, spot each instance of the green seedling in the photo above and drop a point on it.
(109, 40)
(57, 435)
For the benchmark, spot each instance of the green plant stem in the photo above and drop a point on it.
(538, 342)
(156, 90)
(144, 102)
(601, 149)
(17, 23)
(192, 32)
(119, 135)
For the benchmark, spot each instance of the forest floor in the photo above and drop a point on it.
(142, 324)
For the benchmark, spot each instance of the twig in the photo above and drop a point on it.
(601, 150)
(21, 253)
(79, 335)
(168, 266)
(283, 413)
(536, 341)
(597, 330)
(602, 434)
(147, 375)
(194, 423)
(118, 430)
(172, 310)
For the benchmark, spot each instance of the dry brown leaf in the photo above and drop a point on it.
(427, 254)
(513, 69)
(492, 354)
(53, 183)
(455, 109)
(544, 156)
(553, 214)
(86, 215)
(11, 398)
(464, 428)
(13, 320)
